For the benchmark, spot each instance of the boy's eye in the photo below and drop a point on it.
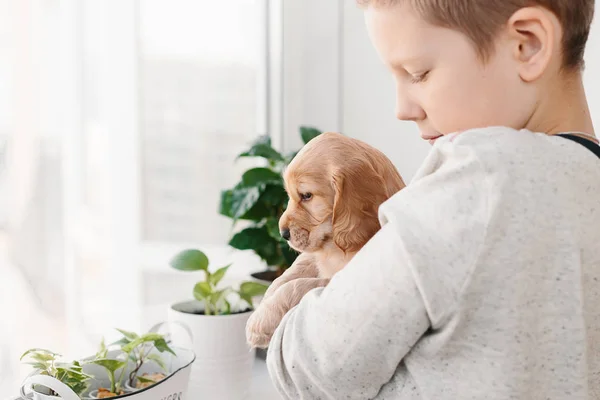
(305, 196)
(419, 78)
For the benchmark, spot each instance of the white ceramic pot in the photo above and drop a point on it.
(38, 395)
(94, 393)
(174, 386)
(63, 390)
(128, 388)
(223, 366)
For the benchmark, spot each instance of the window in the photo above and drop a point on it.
(200, 104)
(131, 116)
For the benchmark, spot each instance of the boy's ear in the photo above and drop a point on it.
(536, 33)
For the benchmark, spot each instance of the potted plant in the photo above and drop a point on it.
(216, 318)
(259, 199)
(116, 388)
(48, 363)
(134, 366)
(135, 351)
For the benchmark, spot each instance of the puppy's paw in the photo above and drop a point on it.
(257, 339)
(261, 325)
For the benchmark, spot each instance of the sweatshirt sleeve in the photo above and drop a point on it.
(346, 341)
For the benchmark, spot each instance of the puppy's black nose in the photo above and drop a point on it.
(285, 233)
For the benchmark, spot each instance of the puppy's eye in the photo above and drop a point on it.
(305, 196)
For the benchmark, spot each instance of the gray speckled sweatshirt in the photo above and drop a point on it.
(484, 283)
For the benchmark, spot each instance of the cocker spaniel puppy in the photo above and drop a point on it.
(335, 185)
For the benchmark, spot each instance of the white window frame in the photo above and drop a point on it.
(312, 67)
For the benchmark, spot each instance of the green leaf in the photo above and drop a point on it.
(143, 379)
(129, 335)
(79, 387)
(73, 374)
(274, 197)
(75, 366)
(308, 133)
(251, 238)
(254, 203)
(39, 365)
(262, 139)
(42, 357)
(243, 199)
(151, 336)
(190, 260)
(260, 176)
(102, 350)
(270, 253)
(264, 151)
(246, 298)
(253, 289)
(226, 203)
(120, 342)
(272, 225)
(216, 297)
(262, 148)
(132, 345)
(162, 346)
(145, 338)
(260, 241)
(256, 213)
(110, 365)
(158, 360)
(227, 308)
(216, 277)
(202, 290)
(40, 351)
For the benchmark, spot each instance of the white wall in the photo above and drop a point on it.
(335, 80)
(311, 64)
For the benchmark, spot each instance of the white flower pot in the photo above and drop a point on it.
(223, 366)
(175, 385)
(41, 394)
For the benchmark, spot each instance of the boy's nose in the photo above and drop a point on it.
(408, 110)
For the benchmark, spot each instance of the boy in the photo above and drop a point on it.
(484, 281)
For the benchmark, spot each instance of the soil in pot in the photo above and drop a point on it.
(267, 276)
(155, 377)
(104, 393)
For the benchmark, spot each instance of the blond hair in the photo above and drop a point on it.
(480, 20)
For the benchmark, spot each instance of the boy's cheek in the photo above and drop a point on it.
(449, 111)
(460, 103)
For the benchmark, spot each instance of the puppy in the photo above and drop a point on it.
(335, 186)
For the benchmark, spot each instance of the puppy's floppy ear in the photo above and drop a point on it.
(359, 190)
